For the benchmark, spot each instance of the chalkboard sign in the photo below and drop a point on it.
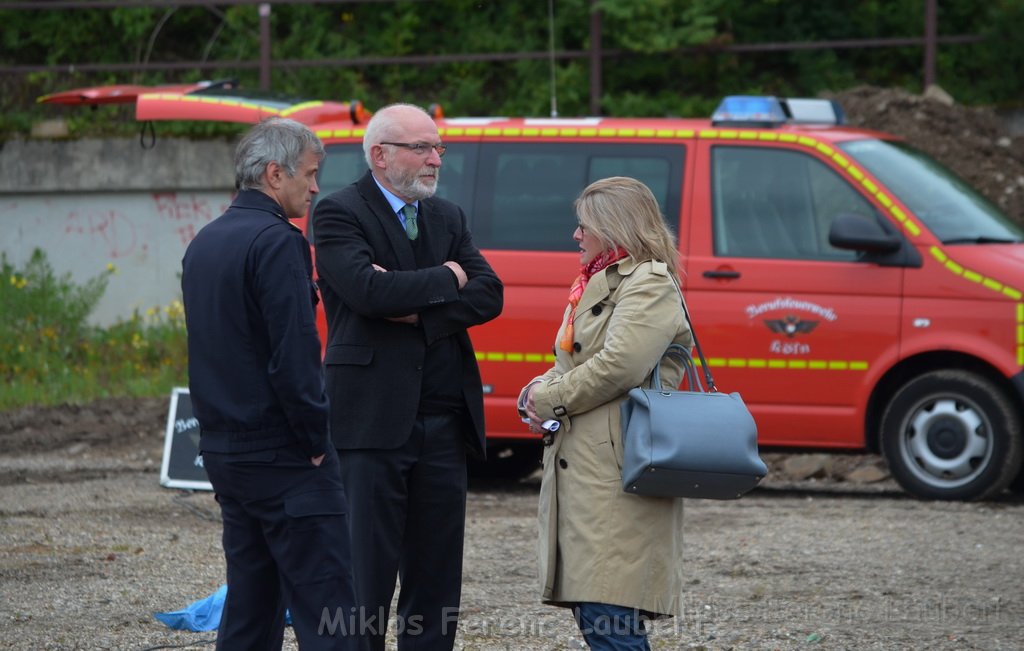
(182, 466)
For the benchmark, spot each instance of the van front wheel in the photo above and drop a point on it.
(951, 435)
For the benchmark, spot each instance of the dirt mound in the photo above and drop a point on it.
(973, 142)
(110, 425)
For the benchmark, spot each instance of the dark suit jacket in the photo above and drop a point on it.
(374, 366)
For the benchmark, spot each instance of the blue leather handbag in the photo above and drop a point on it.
(697, 443)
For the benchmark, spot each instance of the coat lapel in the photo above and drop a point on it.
(596, 291)
(381, 211)
(432, 224)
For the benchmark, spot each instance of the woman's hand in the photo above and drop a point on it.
(531, 410)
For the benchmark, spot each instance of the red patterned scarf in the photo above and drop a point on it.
(576, 291)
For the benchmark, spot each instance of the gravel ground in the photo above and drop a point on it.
(91, 546)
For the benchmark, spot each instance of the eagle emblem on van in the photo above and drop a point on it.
(790, 325)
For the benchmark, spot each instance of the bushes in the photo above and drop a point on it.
(49, 354)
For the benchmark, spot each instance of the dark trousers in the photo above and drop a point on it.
(286, 543)
(408, 518)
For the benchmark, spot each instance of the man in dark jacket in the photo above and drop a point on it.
(402, 283)
(257, 389)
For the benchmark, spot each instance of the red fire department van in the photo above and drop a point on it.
(856, 293)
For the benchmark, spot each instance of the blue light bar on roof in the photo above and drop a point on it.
(749, 111)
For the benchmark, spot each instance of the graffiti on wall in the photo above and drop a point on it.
(188, 211)
(144, 234)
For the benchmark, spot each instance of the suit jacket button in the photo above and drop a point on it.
(577, 347)
(563, 463)
(595, 310)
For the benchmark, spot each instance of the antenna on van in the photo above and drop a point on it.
(551, 59)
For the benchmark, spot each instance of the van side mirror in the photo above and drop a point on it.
(862, 234)
(876, 240)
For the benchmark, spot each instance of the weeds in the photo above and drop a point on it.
(49, 354)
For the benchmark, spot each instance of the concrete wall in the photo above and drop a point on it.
(90, 203)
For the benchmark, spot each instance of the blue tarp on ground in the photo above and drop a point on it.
(202, 615)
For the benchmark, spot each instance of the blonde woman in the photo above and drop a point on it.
(613, 557)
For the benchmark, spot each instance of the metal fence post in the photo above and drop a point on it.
(930, 38)
(265, 46)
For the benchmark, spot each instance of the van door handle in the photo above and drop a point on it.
(722, 274)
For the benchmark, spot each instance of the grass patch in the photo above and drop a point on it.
(49, 354)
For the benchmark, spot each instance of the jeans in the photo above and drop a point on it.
(611, 628)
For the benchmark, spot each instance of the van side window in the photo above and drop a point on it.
(343, 165)
(778, 203)
(525, 191)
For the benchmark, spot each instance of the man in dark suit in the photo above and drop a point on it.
(402, 282)
(257, 389)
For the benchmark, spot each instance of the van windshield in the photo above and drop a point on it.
(945, 203)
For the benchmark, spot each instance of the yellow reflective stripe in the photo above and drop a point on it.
(989, 283)
(341, 133)
(495, 356)
(732, 362)
(575, 132)
(300, 107)
(792, 364)
(1020, 334)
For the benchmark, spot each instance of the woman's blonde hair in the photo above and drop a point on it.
(622, 212)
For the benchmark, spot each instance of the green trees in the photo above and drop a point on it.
(661, 56)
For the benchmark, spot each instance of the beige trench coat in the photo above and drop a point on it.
(598, 543)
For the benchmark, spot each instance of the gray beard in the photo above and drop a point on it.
(414, 188)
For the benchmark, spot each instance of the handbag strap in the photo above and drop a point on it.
(678, 350)
(696, 344)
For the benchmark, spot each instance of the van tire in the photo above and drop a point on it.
(951, 435)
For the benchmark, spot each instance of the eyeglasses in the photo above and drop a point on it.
(419, 148)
